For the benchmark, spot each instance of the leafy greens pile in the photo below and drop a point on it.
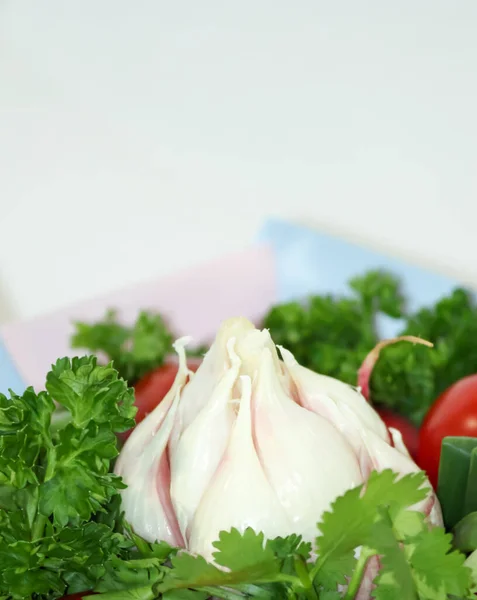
(62, 530)
(333, 335)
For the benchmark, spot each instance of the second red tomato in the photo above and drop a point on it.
(454, 413)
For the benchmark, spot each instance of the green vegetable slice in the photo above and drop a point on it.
(457, 462)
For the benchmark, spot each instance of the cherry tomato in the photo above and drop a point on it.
(453, 413)
(153, 387)
(409, 432)
(78, 596)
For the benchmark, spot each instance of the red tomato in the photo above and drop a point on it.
(409, 432)
(78, 596)
(453, 413)
(153, 387)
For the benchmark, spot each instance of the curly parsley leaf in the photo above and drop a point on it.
(333, 334)
(134, 350)
(91, 393)
(59, 500)
(410, 379)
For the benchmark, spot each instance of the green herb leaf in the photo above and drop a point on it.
(91, 393)
(395, 579)
(134, 351)
(347, 526)
(254, 553)
(333, 334)
(59, 502)
(410, 379)
(437, 568)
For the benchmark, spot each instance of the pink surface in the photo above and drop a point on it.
(194, 302)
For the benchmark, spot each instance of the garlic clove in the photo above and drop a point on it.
(310, 384)
(250, 348)
(384, 456)
(398, 442)
(202, 445)
(201, 384)
(239, 494)
(146, 501)
(305, 458)
(144, 466)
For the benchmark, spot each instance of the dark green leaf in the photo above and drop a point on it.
(92, 393)
(465, 533)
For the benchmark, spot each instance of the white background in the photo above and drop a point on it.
(139, 136)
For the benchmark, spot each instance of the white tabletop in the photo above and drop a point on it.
(139, 137)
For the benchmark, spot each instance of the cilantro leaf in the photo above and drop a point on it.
(195, 571)
(346, 527)
(437, 566)
(395, 579)
(255, 555)
(246, 557)
(134, 350)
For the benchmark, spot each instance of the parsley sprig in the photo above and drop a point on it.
(134, 350)
(333, 334)
(59, 502)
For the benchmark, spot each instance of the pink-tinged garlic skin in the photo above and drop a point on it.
(366, 369)
(290, 441)
(146, 501)
(253, 441)
(376, 447)
(144, 466)
(202, 445)
(315, 390)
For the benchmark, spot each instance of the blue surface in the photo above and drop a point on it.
(310, 262)
(9, 376)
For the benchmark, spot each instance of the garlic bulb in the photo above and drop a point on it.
(252, 440)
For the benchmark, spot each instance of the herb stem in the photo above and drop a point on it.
(358, 573)
(142, 546)
(305, 579)
(38, 528)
